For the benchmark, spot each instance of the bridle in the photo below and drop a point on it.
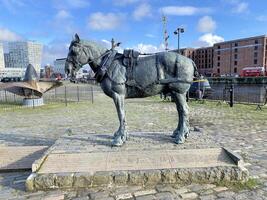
(82, 47)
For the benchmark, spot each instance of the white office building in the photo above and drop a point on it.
(2, 60)
(12, 73)
(59, 66)
(22, 53)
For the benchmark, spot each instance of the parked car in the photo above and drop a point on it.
(200, 88)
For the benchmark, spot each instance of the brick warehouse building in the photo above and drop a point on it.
(230, 57)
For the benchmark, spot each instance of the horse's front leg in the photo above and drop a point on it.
(120, 135)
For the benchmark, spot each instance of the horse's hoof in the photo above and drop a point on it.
(125, 137)
(179, 140)
(117, 142)
(174, 134)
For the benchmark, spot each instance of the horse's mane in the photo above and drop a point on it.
(94, 45)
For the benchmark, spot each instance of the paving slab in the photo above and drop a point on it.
(19, 158)
(90, 160)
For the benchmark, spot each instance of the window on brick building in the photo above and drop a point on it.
(218, 58)
(256, 41)
(235, 70)
(236, 44)
(218, 71)
(255, 54)
(255, 61)
(219, 47)
(235, 62)
(235, 56)
(219, 53)
(218, 64)
(236, 50)
(256, 48)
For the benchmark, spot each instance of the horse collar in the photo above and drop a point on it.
(106, 62)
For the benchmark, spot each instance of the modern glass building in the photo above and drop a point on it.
(59, 66)
(22, 53)
(2, 60)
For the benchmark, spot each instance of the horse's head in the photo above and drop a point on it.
(77, 57)
(83, 52)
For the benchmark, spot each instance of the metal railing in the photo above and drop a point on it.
(241, 93)
(65, 94)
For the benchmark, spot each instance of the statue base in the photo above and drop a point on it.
(33, 102)
(147, 159)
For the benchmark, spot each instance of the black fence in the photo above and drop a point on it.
(241, 93)
(65, 94)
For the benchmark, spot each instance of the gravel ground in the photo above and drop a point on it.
(241, 128)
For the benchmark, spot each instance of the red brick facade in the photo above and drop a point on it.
(230, 57)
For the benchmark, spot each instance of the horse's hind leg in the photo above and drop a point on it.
(121, 134)
(182, 130)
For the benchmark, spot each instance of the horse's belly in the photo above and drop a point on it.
(134, 92)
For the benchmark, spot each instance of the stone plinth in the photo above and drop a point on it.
(84, 161)
(33, 102)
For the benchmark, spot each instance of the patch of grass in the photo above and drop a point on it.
(250, 184)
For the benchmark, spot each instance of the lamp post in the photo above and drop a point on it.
(177, 32)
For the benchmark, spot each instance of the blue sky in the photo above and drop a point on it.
(135, 23)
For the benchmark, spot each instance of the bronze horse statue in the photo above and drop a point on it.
(163, 72)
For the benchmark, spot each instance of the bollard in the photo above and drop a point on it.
(187, 96)
(33, 100)
(78, 94)
(231, 90)
(92, 94)
(66, 96)
(5, 97)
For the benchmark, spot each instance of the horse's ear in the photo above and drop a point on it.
(77, 38)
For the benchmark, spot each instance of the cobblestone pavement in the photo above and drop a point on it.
(242, 129)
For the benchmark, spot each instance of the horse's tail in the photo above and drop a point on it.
(196, 73)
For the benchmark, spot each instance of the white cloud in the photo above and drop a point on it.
(206, 24)
(124, 2)
(184, 10)
(143, 10)
(8, 36)
(62, 22)
(62, 14)
(53, 51)
(238, 6)
(148, 48)
(105, 43)
(102, 21)
(150, 35)
(208, 39)
(241, 7)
